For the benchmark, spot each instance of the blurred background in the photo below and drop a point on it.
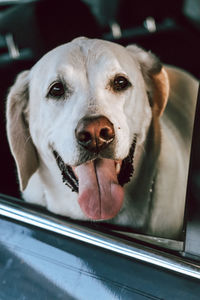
(28, 29)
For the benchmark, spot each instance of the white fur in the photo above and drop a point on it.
(86, 66)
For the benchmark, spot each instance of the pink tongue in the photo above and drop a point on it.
(100, 195)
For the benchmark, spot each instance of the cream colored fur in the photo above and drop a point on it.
(155, 196)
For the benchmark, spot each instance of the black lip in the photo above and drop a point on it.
(127, 167)
(68, 176)
(71, 181)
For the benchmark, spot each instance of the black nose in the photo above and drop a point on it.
(95, 133)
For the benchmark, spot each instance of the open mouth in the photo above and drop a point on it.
(99, 183)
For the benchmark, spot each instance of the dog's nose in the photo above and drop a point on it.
(95, 133)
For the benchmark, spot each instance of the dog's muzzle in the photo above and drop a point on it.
(95, 133)
(99, 179)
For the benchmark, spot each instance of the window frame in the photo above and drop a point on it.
(12, 208)
(192, 208)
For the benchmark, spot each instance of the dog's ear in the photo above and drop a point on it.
(19, 138)
(155, 77)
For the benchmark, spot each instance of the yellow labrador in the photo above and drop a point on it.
(102, 132)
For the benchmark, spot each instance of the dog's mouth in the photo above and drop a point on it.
(99, 183)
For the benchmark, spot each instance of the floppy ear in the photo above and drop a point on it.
(155, 77)
(19, 138)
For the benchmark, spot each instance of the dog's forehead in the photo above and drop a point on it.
(99, 53)
(85, 54)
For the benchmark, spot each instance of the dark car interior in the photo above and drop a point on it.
(28, 29)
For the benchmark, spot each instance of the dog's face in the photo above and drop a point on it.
(85, 105)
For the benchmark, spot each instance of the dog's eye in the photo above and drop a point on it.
(120, 83)
(57, 90)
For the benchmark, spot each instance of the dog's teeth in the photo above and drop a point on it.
(118, 167)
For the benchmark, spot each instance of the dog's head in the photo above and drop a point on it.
(85, 105)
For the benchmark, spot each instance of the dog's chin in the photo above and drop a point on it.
(99, 183)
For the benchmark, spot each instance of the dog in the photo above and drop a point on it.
(103, 132)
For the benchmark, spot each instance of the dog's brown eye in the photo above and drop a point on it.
(120, 83)
(57, 90)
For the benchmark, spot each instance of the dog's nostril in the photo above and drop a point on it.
(84, 137)
(106, 134)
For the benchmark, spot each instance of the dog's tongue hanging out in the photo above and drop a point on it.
(100, 195)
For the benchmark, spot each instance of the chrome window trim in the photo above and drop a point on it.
(133, 250)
